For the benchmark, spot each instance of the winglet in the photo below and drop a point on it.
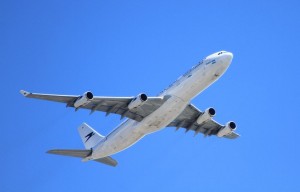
(25, 93)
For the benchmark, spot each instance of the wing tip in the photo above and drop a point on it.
(52, 151)
(24, 93)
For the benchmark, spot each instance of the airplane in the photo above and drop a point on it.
(145, 115)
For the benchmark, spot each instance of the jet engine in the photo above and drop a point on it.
(138, 101)
(230, 126)
(207, 115)
(84, 99)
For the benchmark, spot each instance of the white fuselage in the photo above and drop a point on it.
(180, 93)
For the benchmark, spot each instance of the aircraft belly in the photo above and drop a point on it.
(163, 115)
(124, 136)
(132, 131)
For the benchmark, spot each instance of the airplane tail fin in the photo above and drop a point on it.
(89, 136)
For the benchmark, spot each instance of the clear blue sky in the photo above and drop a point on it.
(122, 48)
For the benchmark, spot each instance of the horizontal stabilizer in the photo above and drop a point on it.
(71, 152)
(82, 154)
(108, 161)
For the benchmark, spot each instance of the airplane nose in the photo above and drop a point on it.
(227, 57)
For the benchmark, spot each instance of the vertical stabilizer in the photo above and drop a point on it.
(89, 136)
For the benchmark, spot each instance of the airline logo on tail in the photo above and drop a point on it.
(88, 136)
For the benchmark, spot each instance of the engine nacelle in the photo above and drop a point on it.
(207, 115)
(138, 101)
(84, 99)
(230, 126)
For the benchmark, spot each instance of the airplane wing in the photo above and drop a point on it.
(188, 120)
(116, 105)
(119, 105)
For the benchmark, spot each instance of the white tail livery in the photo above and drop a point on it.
(89, 136)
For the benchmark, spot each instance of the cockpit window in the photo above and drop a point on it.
(221, 52)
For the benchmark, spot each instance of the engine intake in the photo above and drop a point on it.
(84, 99)
(137, 101)
(230, 126)
(207, 115)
